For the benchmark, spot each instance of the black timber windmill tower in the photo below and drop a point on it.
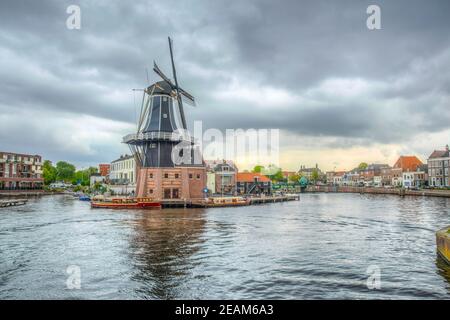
(162, 124)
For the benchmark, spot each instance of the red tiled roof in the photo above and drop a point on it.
(408, 163)
(250, 177)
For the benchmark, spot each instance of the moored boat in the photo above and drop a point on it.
(126, 203)
(84, 198)
(443, 243)
(226, 202)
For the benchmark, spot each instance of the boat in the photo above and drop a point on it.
(84, 198)
(125, 203)
(226, 202)
(443, 243)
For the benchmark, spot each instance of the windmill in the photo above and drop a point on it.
(162, 125)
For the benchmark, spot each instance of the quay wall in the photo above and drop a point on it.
(394, 191)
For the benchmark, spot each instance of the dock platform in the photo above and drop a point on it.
(268, 199)
(12, 203)
(201, 203)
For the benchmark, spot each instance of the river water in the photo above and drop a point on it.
(324, 246)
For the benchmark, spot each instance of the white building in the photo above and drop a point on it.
(123, 171)
(377, 181)
(96, 178)
(414, 179)
(408, 179)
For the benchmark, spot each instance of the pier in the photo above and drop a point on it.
(12, 203)
(268, 199)
(201, 203)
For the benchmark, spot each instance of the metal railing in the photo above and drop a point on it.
(168, 136)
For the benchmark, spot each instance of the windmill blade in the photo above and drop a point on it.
(161, 74)
(180, 101)
(188, 98)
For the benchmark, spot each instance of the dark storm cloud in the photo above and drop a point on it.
(306, 52)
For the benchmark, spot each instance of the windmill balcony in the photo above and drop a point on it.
(152, 136)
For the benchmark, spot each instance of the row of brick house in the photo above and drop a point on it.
(20, 171)
(407, 172)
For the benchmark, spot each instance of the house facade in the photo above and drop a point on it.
(123, 171)
(438, 165)
(20, 171)
(252, 183)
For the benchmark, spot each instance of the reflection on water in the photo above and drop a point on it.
(162, 247)
(320, 247)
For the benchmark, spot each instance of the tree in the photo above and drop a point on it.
(294, 178)
(315, 175)
(65, 171)
(83, 176)
(363, 166)
(258, 169)
(49, 172)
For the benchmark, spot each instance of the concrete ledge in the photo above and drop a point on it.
(443, 243)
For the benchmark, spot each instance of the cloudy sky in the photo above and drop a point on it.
(339, 92)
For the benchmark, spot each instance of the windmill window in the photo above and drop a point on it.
(164, 98)
(153, 145)
(166, 175)
(150, 175)
(198, 176)
(165, 115)
(177, 175)
(190, 175)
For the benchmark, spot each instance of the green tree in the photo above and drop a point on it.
(49, 172)
(65, 171)
(363, 166)
(83, 176)
(258, 169)
(315, 175)
(294, 178)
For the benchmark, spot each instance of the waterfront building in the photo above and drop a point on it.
(414, 179)
(20, 171)
(386, 176)
(350, 179)
(397, 177)
(96, 178)
(338, 177)
(377, 181)
(371, 171)
(309, 172)
(104, 169)
(438, 164)
(224, 175)
(329, 177)
(169, 161)
(123, 171)
(407, 163)
(252, 183)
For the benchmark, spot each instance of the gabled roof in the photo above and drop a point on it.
(439, 154)
(408, 163)
(250, 177)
